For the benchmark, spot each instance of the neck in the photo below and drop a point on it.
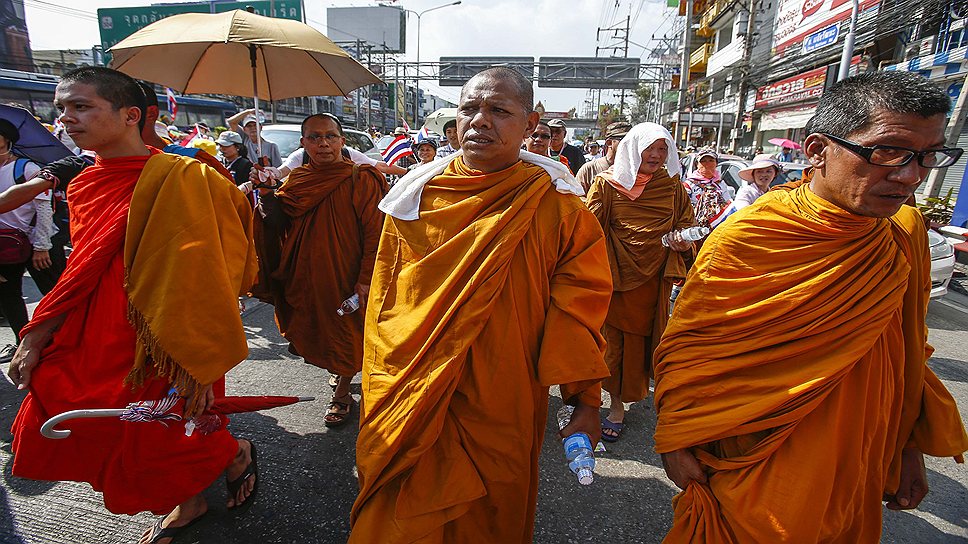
(126, 147)
(489, 168)
(559, 148)
(153, 140)
(764, 187)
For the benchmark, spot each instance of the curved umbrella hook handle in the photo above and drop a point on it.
(48, 430)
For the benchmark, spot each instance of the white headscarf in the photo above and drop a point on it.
(628, 157)
(403, 200)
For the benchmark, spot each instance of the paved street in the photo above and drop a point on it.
(308, 479)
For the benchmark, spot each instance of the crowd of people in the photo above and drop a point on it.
(792, 394)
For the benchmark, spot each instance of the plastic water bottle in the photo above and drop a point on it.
(691, 234)
(349, 305)
(578, 449)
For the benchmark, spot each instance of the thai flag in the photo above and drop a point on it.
(191, 136)
(398, 148)
(423, 135)
(405, 125)
(172, 103)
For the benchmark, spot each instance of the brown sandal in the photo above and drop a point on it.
(338, 412)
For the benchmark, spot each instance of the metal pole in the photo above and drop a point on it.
(719, 132)
(684, 68)
(359, 56)
(744, 83)
(689, 128)
(955, 125)
(416, 81)
(849, 42)
(255, 100)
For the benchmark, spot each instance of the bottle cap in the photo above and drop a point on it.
(585, 476)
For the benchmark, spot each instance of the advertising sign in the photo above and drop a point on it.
(805, 86)
(797, 19)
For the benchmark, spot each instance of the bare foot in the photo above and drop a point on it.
(182, 515)
(238, 466)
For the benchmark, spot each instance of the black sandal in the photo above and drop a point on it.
(338, 413)
(252, 469)
(159, 532)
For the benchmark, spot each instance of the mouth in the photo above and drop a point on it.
(897, 197)
(479, 139)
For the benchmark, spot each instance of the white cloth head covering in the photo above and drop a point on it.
(403, 199)
(628, 157)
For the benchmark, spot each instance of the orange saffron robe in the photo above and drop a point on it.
(497, 292)
(794, 368)
(137, 466)
(328, 247)
(643, 271)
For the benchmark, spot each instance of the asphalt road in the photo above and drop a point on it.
(308, 479)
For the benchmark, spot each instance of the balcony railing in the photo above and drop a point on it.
(708, 17)
(699, 58)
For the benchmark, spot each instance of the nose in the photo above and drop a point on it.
(480, 120)
(910, 174)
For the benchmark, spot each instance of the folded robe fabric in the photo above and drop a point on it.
(794, 368)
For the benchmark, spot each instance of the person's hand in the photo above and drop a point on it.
(682, 467)
(678, 244)
(914, 482)
(585, 419)
(364, 293)
(208, 399)
(24, 361)
(41, 259)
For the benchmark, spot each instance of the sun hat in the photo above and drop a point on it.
(747, 173)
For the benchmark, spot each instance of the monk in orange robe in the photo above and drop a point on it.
(319, 240)
(791, 386)
(639, 200)
(491, 285)
(122, 323)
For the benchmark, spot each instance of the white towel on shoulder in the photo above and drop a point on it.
(403, 200)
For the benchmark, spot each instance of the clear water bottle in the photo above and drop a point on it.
(691, 234)
(349, 305)
(578, 449)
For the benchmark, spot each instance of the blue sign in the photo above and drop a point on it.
(821, 38)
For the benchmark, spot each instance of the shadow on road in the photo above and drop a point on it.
(949, 369)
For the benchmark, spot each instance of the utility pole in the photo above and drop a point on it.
(620, 43)
(744, 82)
(684, 69)
(359, 57)
(955, 125)
(848, 52)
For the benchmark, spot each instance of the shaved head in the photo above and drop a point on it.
(523, 93)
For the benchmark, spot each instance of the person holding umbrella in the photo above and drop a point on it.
(122, 324)
(250, 131)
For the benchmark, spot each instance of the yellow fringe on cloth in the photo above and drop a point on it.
(188, 255)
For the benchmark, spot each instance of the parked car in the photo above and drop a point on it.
(942, 263)
(287, 138)
(730, 165)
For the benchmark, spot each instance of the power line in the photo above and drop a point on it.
(61, 10)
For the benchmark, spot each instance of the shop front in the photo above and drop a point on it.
(785, 106)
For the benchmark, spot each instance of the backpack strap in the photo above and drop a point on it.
(19, 169)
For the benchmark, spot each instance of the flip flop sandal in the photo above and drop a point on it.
(337, 414)
(159, 532)
(615, 428)
(333, 380)
(252, 469)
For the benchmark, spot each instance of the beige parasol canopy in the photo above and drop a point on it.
(214, 53)
(436, 120)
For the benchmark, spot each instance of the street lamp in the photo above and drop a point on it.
(416, 90)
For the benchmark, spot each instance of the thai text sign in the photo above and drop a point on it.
(806, 86)
(797, 19)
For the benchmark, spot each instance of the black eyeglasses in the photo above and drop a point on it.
(330, 138)
(537, 136)
(889, 155)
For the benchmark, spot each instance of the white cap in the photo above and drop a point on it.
(585, 476)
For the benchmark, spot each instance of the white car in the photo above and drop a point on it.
(942, 263)
(287, 138)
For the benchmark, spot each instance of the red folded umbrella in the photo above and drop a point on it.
(169, 409)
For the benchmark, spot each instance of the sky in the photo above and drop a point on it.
(532, 28)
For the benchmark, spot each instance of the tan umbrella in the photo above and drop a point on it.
(239, 53)
(436, 120)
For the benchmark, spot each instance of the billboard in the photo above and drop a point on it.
(588, 72)
(805, 86)
(378, 26)
(117, 24)
(797, 19)
(455, 71)
(15, 45)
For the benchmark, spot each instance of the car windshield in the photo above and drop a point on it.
(286, 139)
(360, 142)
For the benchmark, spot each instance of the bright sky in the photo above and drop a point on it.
(473, 28)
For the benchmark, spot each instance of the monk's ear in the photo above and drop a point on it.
(132, 116)
(533, 118)
(815, 148)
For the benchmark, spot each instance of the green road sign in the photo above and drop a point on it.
(117, 24)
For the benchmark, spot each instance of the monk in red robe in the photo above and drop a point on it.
(122, 324)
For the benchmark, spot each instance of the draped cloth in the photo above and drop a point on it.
(116, 219)
(794, 368)
(496, 292)
(323, 248)
(642, 269)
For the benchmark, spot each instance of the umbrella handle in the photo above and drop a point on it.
(48, 430)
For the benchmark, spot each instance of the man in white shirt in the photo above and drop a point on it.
(453, 144)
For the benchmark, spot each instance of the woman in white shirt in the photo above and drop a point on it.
(759, 175)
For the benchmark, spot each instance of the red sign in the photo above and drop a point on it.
(806, 86)
(797, 19)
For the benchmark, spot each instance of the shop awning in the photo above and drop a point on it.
(786, 119)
